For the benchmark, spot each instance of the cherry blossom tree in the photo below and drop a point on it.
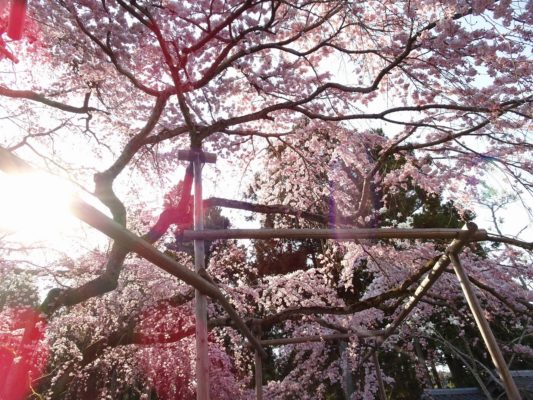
(337, 113)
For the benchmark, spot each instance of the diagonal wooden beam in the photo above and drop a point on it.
(486, 333)
(455, 246)
(469, 233)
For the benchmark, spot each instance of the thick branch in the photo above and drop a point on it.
(377, 301)
(179, 215)
(265, 209)
(106, 48)
(139, 139)
(497, 294)
(106, 282)
(104, 180)
(512, 241)
(30, 95)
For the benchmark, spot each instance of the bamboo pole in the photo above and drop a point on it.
(200, 307)
(484, 328)
(337, 234)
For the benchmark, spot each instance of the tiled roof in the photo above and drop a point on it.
(453, 394)
(522, 378)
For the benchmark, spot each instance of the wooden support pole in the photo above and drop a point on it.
(381, 386)
(336, 234)
(200, 308)
(258, 332)
(486, 333)
(258, 376)
(192, 155)
(346, 370)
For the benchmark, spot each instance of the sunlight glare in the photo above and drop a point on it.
(34, 205)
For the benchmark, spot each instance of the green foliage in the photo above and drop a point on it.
(401, 368)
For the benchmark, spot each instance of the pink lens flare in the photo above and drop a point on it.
(17, 16)
(23, 352)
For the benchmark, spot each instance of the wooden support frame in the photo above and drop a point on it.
(195, 154)
(258, 361)
(451, 256)
(10, 163)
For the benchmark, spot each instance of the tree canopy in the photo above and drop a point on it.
(323, 114)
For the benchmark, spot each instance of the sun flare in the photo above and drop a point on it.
(34, 205)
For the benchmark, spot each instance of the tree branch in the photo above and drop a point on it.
(39, 98)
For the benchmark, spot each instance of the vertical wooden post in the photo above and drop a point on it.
(486, 332)
(258, 332)
(197, 156)
(200, 310)
(381, 386)
(258, 376)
